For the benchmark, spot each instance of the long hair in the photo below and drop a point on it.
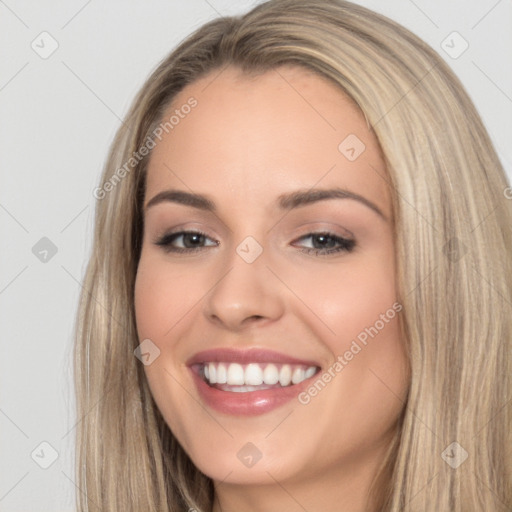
(453, 233)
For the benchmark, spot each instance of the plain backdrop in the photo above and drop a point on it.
(59, 113)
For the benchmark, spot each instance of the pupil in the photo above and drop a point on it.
(325, 241)
(193, 238)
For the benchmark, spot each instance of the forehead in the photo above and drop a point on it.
(266, 134)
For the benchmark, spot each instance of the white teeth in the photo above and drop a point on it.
(212, 370)
(235, 375)
(297, 375)
(285, 375)
(222, 374)
(309, 372)
(271, 374)
(255, 376)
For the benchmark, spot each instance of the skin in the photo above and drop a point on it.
(249, 140)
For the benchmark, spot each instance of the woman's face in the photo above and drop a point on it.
(266, 283)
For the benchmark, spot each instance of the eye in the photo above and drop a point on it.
(325, 243)
(322, 243)
(185, 241)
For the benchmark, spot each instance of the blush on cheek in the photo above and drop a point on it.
(378, 345)
(359, 315)
(159, 303)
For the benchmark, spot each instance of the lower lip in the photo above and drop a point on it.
(250, 403)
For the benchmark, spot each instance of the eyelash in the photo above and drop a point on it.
(344, 244)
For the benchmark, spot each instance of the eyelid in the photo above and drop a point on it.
(196, 227)
(333, 228)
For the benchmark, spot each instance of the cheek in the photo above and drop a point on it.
(347, 299)
(356, 315)
(164, 295)
(360, 302)
(150, 304)
(364, 386)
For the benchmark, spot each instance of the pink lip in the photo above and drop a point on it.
(253, 402)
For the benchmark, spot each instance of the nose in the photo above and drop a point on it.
(244, 294)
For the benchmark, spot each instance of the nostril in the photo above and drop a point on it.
(254, 318)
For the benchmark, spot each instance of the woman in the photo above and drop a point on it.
(300, 278)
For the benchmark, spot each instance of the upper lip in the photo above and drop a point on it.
(246, 356)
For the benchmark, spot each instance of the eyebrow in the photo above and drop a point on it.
(304, 197)
(181, 197)
(287, 201)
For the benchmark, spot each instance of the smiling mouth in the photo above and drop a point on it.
(244, 378)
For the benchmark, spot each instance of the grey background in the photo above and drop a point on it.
(59, 116)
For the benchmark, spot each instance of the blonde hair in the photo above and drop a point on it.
(454, 272)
